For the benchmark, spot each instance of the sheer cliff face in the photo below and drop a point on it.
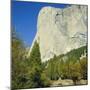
(61, 30)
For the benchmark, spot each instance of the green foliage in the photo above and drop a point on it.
(35, 64)
(35, 57)
(75, 71)
(27, 73)
(68, 66)
(45, 82)
(37, 75)
(75, 54)
(17, 60)
(84, 66)
(51, 69)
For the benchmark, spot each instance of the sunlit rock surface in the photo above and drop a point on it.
(60, 30)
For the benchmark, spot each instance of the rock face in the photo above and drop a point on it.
(61, 30)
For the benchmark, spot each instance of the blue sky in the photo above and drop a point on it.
(24, 18)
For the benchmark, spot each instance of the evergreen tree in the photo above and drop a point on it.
(35, 57)
(37, 75)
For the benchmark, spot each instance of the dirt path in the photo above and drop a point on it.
(67, 82)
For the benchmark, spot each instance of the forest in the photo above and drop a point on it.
(33, 73)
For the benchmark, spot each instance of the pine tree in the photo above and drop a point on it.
(35, 64)
(35, 57)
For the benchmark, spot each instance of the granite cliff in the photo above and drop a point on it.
(60, 30)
